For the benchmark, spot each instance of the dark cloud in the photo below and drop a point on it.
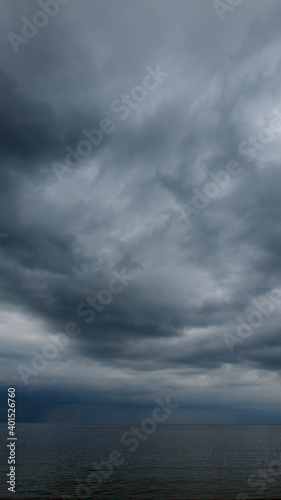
(124, 208)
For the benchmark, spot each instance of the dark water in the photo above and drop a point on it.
(174, 462)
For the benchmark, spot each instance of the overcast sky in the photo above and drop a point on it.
(116, 118)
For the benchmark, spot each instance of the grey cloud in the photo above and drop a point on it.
(121, 209)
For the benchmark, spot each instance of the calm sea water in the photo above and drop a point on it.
(174, 462)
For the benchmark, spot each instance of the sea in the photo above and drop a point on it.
(56, 461)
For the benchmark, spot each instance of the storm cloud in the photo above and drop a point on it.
(140, 209)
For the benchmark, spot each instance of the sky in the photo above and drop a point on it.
(140, 210)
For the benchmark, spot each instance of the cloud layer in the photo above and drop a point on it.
(153, 200)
